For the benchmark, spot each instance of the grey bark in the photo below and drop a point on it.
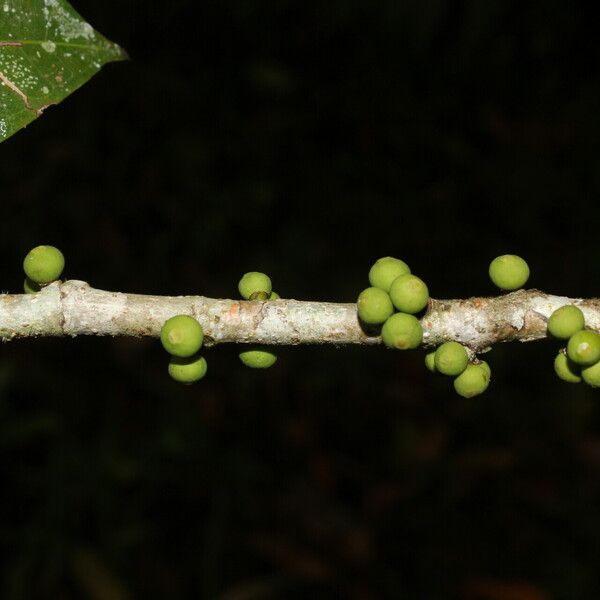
(75, 308)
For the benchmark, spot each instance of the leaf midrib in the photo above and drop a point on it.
(110, 45)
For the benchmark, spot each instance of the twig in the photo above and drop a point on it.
(74, 308)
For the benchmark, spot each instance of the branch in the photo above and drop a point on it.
(74, 308)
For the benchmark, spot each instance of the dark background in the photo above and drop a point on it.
(306, 140)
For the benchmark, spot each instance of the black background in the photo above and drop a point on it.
(306, 140)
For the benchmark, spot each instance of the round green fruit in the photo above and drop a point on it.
(409, 294)
(187, 370)
(591, 374)
(257, 358)
(254, 282)
(402, 332)
(274, 296)
(451, 358)
(44, 264)
(583, 347)
(374, 306)
(472, 381)
(565, 321)
(30, 287)
(385, 270)
(181, 336)
(566, 369)
(509, 272)
(430, 361)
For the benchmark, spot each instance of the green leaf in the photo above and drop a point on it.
(47, 51)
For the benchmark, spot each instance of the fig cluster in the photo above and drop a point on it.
(508, 272)
(579, 360)
(396, 295)
(182, 337)
(257, 286)
(471, 378)
(392, 301)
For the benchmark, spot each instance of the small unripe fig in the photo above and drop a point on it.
(472, 381)
(259, 296)
(44, 264)
(30, 287)
(254, 282)
(591, 374)
(181, 336)
(583, 347)
(451, 358)
(430, 361)
(274, 296)
(187, 370)
(509, 272)
(409, 293)
(385, 270)
(374, 306)
(258, 358)
(566, 369)
(565, 321)
(402, 332)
